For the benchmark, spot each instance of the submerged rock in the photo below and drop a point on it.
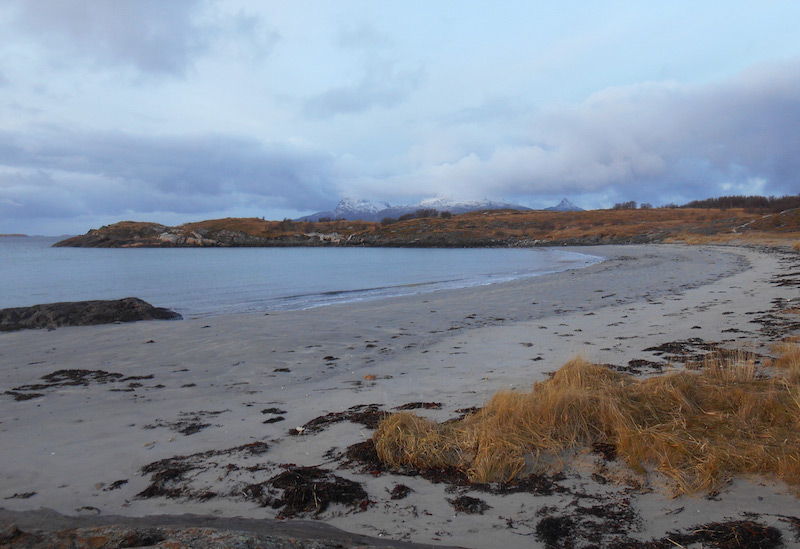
(82, 313)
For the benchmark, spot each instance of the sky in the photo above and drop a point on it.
(182, 110)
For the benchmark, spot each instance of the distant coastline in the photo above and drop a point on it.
(13, 234)
(486, 228)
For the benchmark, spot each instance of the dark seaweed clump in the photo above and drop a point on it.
(307, 490)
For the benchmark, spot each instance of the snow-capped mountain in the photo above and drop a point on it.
(355, 205)
(365, 210)
(564, 206)
(352, 209)
(460, 206)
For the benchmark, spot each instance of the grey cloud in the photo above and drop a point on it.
(250, 35)
(651, 140)
(382, 85)
(152, 36)
(491, 110)
(26, 194)
(65, 174)
(362, 36)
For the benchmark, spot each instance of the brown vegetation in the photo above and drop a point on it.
(698, 429)
(787, 221)
(560, 226)
(272, 229)
(481, 228)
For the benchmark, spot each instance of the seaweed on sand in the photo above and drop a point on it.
(368, 415)
(307, 490)
(469, 505)
(735, 534)
(169, 476)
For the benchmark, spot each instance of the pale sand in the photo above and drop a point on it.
(453, 347)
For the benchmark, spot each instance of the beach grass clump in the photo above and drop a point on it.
(698, 428)
(788, 361)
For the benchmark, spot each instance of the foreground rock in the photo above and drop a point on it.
(82, 313)
(45, 528)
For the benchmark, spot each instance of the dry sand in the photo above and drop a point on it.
(203, 390)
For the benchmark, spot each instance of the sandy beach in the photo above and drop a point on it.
(194, 416)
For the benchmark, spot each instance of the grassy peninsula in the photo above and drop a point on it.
(501, 228)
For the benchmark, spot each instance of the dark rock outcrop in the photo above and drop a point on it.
(82, 313)
(46, 528)
(118, 235)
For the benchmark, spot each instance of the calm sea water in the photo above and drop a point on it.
(202, 281)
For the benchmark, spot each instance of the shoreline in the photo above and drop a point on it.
(455, 347)
(364, 296)
(200, 283)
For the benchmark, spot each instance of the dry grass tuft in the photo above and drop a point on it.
(698, 429)
(788, 361)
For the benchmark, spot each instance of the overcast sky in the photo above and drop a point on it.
(182, 110)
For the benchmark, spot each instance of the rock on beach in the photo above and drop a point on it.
(82, 313)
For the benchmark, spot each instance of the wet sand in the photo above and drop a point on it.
(194, 416)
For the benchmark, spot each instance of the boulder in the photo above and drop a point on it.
(82, 313)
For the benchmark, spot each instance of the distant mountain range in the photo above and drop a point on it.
(364, 210)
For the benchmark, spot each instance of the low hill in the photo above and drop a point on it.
(475, 229)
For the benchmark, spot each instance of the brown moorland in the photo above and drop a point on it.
(482, 228)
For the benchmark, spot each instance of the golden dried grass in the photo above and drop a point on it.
(273, 229)
(698, 429)
(698, 226)
(786, 221)
(788, 361)
(546, 225)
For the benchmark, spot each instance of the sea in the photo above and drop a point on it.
(211, 281)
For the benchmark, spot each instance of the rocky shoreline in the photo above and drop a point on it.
(46, 528)
(495, 228)
(81, 313)
(159, 236)
(489, 228)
